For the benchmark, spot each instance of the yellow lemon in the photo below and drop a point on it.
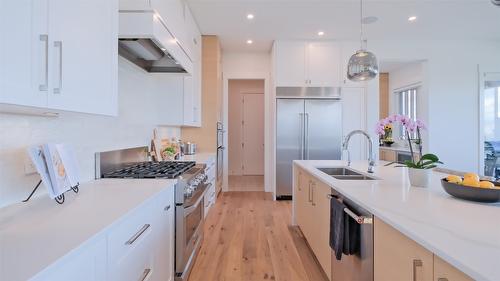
(471, 182)
(454, 179)
(473, 176)
(486, 184)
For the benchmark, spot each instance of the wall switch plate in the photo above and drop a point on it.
(29, 166)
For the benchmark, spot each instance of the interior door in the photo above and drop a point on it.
(253, 134)
(323, 129)
(289, 141)
(83, 46)
(354, 119)
(24, 52)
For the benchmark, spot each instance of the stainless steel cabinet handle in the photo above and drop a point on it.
(416, 263)
(138, 234)
(166, 208)
(312, 194)
(146, 274)
(306, 141)
(58, 44)
(298, 182)
(301, 136)
(309, 192)
(442, 279)
(45, 85)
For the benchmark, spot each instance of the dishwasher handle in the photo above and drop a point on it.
(358, 219)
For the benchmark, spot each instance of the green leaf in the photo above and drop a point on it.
(430, 157)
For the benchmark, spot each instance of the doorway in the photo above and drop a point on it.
(246, 135)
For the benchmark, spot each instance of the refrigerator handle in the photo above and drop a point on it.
(301, 136)
(306, 138)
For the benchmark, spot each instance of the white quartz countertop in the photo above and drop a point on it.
(35, 234)
(202, 157)
(465, 234)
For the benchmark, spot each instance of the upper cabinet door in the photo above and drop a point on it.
(24, 52)
(323, 65)
(83, 49)
(290, 64)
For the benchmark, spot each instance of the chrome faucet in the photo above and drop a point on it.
(345, 146)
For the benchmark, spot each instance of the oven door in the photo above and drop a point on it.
(189, 234)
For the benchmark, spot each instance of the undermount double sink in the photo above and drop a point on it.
(343, 173)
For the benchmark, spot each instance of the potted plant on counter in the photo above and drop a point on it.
(420, 166)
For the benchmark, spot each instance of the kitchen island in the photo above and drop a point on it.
(463, 235)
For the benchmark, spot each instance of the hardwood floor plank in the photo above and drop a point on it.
(248, 237)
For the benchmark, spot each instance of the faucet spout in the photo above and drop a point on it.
(345, 146)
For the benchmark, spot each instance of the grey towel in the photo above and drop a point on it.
(351, 236)
(337, 221)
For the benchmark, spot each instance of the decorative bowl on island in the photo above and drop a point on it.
(471, 193)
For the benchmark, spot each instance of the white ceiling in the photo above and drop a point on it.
(301, 19)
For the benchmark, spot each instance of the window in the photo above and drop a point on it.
(407, 105)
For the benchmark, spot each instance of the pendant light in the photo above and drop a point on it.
(363, 64)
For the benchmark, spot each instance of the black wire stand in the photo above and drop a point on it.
(59, 199)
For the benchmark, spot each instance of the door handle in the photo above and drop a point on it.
(442, 279)
(312, 194)
(58, 44)
(306, 138)
(416, 263)
(298, 182)
(44, 87)
(301, 136)
(309, 192)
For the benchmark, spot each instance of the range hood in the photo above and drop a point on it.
(145, 40)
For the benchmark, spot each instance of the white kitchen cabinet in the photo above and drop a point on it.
(83, 45)
(307, 64)
(164, 237)
(192, 38)
(290, 64)
(323, 62)
(88, 264)
(192, 97)
(24, 55)
(354, 118)
(64, 57)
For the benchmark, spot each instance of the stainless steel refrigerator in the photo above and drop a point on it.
(306, 128)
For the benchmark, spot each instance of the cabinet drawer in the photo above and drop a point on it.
(136, 264)
(135, 230)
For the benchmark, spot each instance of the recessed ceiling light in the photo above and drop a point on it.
(250, 16)
(249, 41)
(321, 33)
(412, 18)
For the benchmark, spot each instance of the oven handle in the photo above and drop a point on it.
(191, 208)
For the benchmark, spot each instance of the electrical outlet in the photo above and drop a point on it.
(29, 167)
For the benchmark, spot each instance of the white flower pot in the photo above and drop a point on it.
(420, 177)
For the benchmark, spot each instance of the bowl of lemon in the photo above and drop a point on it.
(471, 188)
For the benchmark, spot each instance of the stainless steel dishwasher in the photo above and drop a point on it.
(358, 267)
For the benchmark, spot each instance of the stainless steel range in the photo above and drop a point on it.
(192, 183)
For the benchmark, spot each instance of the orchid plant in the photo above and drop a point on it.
(411, 127)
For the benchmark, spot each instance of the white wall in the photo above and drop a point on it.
(144, 101)
(249, 65)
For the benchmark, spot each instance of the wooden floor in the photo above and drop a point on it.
(248, 237)
(246, 183)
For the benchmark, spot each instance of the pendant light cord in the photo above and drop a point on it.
(361, 24)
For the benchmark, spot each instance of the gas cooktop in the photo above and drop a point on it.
(152, 170)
